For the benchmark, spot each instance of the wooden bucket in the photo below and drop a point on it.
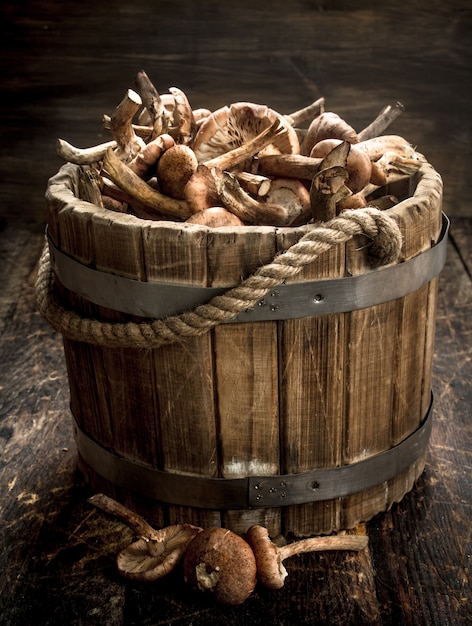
(305, 424)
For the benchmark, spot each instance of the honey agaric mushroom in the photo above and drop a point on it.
(200, 191)
(121, 126)
(359, 165)
(215, 217)
(328, 125)
(183, 117)
(221, 562)
(235, 125)
(328, 185)
(156, 552)
(269, 557)
(235, 157)
(248, 209)
(294, 196)
(154, 201)
(153, 104)
(144, 163)
(174, 169)
(82, 156)
(386, 116)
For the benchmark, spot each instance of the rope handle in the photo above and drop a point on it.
(383, 231)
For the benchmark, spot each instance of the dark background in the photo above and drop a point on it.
(63, 68)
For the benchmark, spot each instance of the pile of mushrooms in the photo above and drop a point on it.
(214, 560)
(242, 164)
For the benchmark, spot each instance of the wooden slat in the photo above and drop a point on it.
(183, 372)
(311, 354)
(246, 374)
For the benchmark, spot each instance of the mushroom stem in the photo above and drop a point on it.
(288, 166)
(307, 113)
(153, 103)
(122, 128)
(270, 569)
(136, 187)
(130, 518)
(244, 206)
(234, 157)
(82, 156)
(254, 184)
(320, 544)
(386, 116)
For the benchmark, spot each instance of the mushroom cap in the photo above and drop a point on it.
(359, 166)
(215, 217)
(231, 126)
(151, 558)
(270, 569)
(221, 562)
(328, 125)
(174, 169)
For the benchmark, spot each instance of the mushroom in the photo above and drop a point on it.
(328, 125)
(269, 557)
(359, 166)
(200, 191)
(221, 562)
(154, 201)
(247, 208)
(156, 552)
(215, 217)
(82, 156)
(328, 186)
(235, 125)
(144, 163)
(153, 104)
(121, 126)
(294, 196)
(174, 169)
(183, 117)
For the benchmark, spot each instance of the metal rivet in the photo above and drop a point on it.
(275, 294)
(318, 298)
(274, 307)
(282, 495)
(259, 497)
(258, 486)
(262, 303)
(315, 485)
(283, 483)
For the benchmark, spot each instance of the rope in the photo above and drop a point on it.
(385, 247)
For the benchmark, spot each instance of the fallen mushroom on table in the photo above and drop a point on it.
(269, 557)
(221, 562)
(156, 552)
(214, 560)
(166, 160)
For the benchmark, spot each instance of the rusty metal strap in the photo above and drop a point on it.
(287, 301)
(254, 491)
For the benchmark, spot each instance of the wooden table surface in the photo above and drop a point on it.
(63, 67)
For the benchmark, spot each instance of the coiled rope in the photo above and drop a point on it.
(376, 225)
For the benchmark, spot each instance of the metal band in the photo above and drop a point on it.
(254, 491)
(293, 300)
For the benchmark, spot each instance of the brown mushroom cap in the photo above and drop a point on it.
(231, 126)
(215, 217)
(221, 562)
(359, 165)
(328, 125)
(148, 558)
(270, 569)
(174, 169)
